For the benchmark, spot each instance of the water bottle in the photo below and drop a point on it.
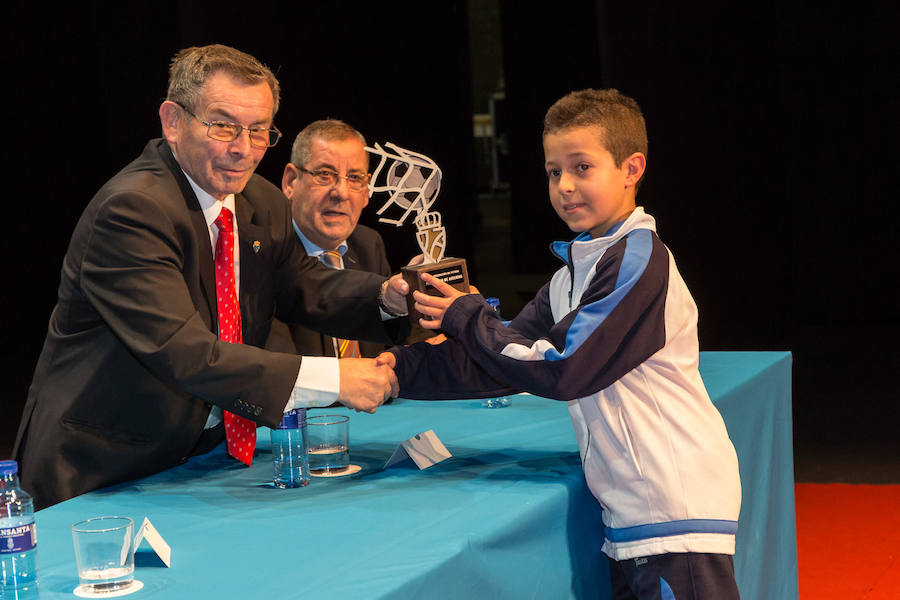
(18, 536)
(289, 450)
(503, 400)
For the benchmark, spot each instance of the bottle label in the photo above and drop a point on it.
(21, 538)
(293, 419)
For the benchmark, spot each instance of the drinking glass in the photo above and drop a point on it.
(104, 553)
(328, 444)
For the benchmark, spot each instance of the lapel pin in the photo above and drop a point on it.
(256, 246)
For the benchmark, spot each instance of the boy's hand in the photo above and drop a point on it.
(386, 358)
(435, 306)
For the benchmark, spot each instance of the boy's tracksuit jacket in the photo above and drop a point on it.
(614, 333)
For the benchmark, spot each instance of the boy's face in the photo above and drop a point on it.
(587, 190)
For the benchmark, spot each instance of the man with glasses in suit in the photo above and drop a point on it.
(327, 185)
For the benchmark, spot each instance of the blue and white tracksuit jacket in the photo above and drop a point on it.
(614, 333)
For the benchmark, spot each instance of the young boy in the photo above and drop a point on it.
(614, 333)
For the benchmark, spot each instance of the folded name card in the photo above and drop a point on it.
(425, 449)
(148, 532)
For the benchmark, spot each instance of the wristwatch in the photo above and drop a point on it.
(383, 305)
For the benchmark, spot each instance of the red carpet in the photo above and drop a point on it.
(848, 541)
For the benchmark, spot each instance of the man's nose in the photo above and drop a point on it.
(241, 144)
(340, 187)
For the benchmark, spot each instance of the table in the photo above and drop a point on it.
(509, 516)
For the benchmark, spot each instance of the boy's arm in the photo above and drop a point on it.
(446, 371)
(441, 371)
(619, 323)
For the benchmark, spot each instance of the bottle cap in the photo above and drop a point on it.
(8, 467)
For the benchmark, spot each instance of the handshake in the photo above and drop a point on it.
(366, 383)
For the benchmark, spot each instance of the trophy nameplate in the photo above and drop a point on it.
(413, 181)
(450, 270)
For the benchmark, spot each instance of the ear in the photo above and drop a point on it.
(634, 167)
(366, 191)
(170, 117)
(289, 179)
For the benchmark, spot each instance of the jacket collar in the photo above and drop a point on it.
(583, 244)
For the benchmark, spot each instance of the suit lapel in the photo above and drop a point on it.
(251, 241)
(201, 231)
(351, 259)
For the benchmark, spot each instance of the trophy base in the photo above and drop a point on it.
(449, 270)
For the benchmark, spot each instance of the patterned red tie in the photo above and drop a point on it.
(240, 433)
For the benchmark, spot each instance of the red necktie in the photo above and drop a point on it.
(240, 433)
(344, 348)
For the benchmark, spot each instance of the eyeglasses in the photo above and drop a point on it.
(355, 181)
(225, 131)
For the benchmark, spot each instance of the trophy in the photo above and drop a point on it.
(413, 182)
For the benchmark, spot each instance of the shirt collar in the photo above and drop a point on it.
(638, 219)
(210, 206)
(314, 250)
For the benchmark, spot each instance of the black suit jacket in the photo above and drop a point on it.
(365, 252)
(132, 364)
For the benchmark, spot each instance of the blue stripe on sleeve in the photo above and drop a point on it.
(670, 528)
(639, 246)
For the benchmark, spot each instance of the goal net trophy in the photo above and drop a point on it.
(412, 182)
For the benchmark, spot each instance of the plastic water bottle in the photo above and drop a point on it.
(18, 536)
(502, 401)
(289, 450)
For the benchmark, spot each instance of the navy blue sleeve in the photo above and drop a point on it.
(618, 324)
(536, 318)
(446, 371)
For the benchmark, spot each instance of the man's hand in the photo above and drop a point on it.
(435, 306)
(394, 294)
(418, 259)
(365, 384)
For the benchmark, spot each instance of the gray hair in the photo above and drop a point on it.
(191, 67)
(325, 129)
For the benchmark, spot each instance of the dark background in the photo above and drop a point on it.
(772, 141)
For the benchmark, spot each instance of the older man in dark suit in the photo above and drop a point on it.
(327, 185)
(172, 277)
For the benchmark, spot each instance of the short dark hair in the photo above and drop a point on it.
(191, 67)
(624, 131)
(325, 129)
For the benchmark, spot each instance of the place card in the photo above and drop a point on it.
(425, 449)
(148, 531)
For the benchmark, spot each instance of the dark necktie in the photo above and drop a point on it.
(343, 348)
(240, 433)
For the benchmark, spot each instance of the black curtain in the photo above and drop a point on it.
(772, 133)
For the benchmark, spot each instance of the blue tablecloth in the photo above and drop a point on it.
(509, 516)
